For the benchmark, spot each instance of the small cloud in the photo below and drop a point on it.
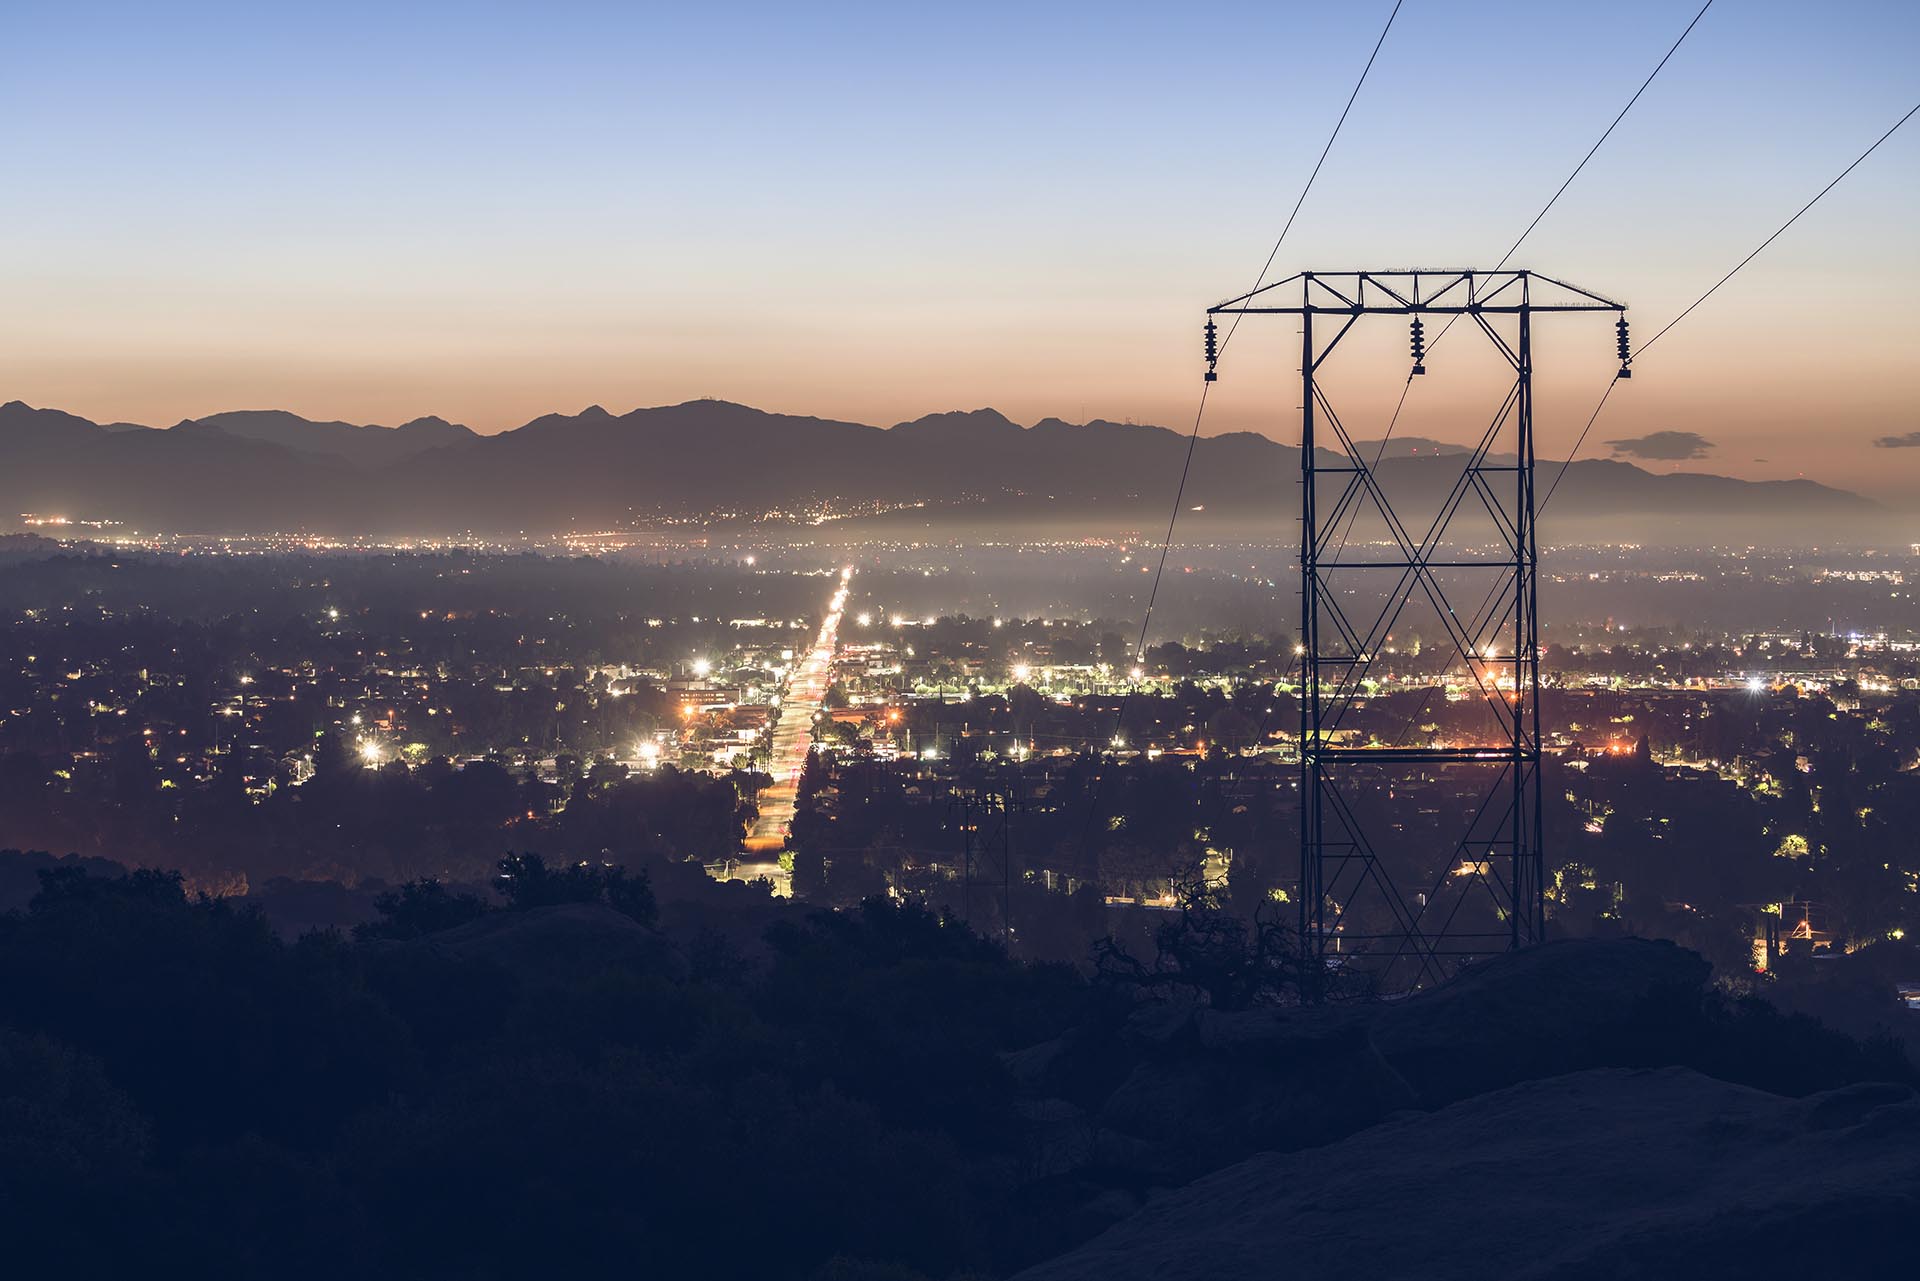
(1668, 446)
(1909, 441)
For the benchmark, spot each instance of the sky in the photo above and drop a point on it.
(877, 211)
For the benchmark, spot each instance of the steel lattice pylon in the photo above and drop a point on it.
(985, 816)
(1360, 912)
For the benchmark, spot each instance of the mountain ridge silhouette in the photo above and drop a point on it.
(276, 471)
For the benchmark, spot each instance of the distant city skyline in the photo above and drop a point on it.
(873, 214)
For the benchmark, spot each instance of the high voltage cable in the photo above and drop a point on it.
(1783, 227)
(1193, 437)
(1324, 151)
(1514, 248)
(1688, 310)
(1475, 622)
(1407, 387)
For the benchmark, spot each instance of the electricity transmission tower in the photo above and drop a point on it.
(984, 817)
(1420, 844)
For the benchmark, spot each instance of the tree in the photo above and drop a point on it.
(333, 757)
(419, 908)
(526, 881)
(1234, 963)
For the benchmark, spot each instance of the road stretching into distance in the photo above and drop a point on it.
(806, 686)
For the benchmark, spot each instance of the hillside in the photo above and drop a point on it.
(272, 471)
(1603, 1173)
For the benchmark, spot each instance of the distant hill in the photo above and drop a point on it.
(1410, 447)
(269, 470)
(362, 446)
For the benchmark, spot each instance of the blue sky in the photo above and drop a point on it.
(878, 211)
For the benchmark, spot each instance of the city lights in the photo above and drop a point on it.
(451, 864)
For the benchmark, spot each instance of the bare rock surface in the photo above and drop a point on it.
(1539, 1012)
(1180, 1089)
(1608, 1173)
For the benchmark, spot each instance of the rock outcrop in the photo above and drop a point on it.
(1604, 1173)
(1180, 1089)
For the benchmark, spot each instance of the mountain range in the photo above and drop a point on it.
(723, 463)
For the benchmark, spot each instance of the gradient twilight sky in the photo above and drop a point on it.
(876, 211)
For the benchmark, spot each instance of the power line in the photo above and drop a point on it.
(1776, 235)
(1579, 440)
(1193, 437)
(1351, 99)
(1613, 382)
(1166, 544)
(1393, 421)
(1688, 310)
(1514, 248)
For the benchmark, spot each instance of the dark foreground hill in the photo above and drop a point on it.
(611, 1074)
(271, 471)
(1608, 1173)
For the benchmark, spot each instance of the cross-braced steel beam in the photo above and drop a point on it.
(1404, 917)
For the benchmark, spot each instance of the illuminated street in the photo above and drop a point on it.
(792, 742)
